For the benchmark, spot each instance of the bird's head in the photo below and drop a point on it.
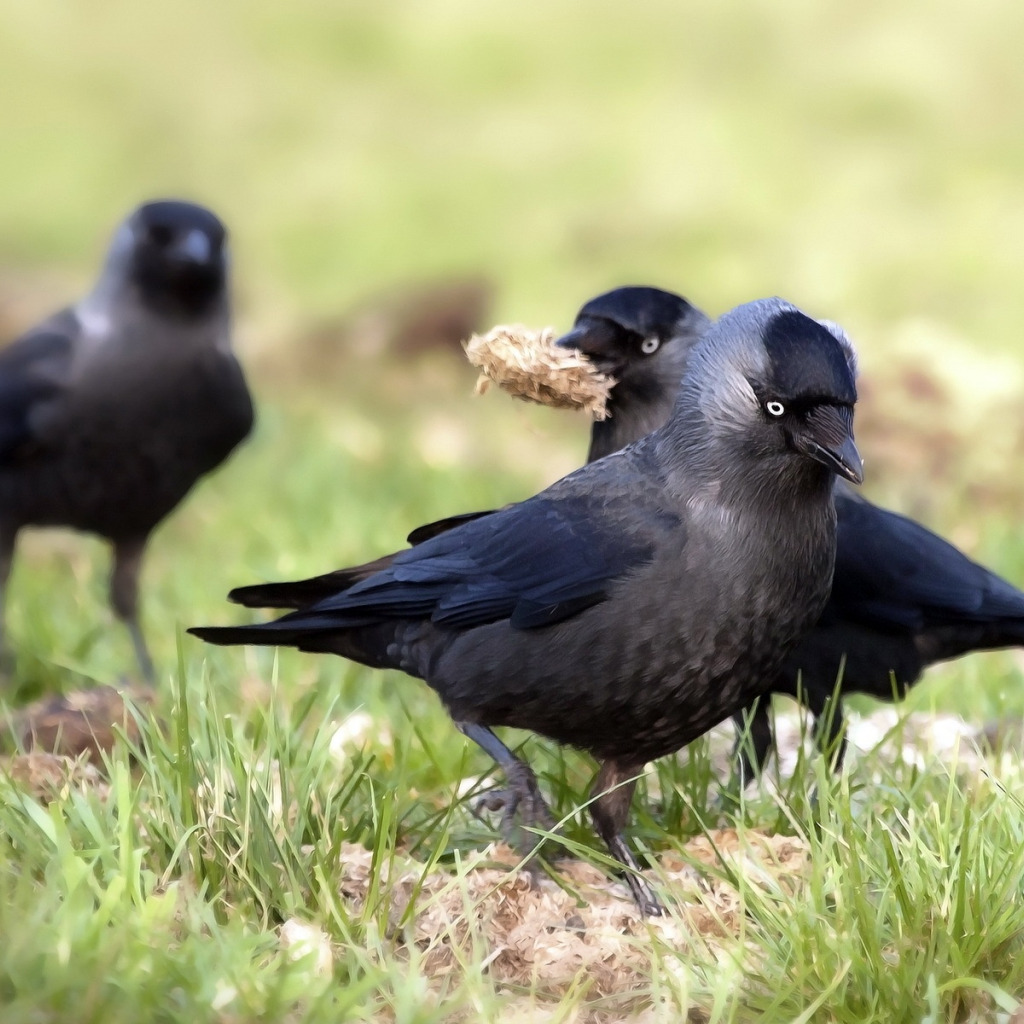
(175, 254)
(640, 337)
(778, 383)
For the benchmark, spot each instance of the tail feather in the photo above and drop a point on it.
(260, 634)
(941, 643)
(303, 593)
(364, 641)
(1009, 633)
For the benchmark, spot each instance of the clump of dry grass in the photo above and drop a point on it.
(527, 365)
(536, 933)
(46, 777)
(80, 722)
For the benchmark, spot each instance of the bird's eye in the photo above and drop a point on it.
(774, 408)
(650, 345)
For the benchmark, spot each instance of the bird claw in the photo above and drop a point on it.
(522, 809)
(647, 903)
(493, 801)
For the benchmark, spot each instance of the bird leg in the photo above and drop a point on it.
(611, 795)
(124, 598)
(830, 728)
(522, 793)
(754, 739)
(8, 536)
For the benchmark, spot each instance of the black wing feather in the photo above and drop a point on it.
(31, 371)
(439, 526)
(892, 573)
(303, 593)
(534, 564)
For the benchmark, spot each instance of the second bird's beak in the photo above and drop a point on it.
(596, 340)
(194, 248)
(829, 439)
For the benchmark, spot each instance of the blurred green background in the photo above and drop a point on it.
(862, 160)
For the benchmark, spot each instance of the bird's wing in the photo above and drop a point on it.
(533, 564)
(428, 530)
(303, 593)
(33, 371)
(895, 574)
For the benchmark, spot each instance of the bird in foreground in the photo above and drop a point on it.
(113, 408)
(640, 600)
(902, 598)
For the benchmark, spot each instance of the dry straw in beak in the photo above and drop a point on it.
(528, 365)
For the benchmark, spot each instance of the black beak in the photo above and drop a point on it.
(194, 249)
(576, 339)
(844, 461)
(829, 439)
(599, 342)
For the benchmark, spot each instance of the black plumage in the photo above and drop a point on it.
(113, 408)
(641, 599)
(902, 598)
(641, 338)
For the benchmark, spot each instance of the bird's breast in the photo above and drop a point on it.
(674, 649)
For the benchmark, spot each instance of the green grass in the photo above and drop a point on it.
(163, 899)
(865, 162)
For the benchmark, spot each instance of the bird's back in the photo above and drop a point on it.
(903, 599)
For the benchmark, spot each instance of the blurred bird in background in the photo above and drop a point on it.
(640, 600)
(113, 408)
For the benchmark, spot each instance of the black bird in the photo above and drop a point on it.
(902, 598)
(641, 338)
(113, 408)
(640, 600)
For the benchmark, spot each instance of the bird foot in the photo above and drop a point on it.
(492, 801)
(646, 902)
(522, 808)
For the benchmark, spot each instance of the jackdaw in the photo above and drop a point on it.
(902, 598)
(640, 600)
(113, 408)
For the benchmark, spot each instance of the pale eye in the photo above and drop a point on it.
(650, 345)
(774, 408)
